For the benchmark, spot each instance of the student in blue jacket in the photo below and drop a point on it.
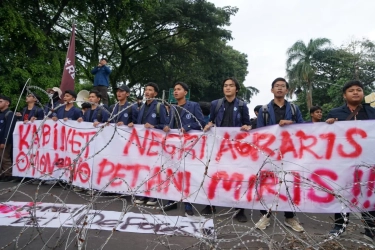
(121, 116)
(229, 112)
(353, 109)
(152, 115)
(279, 111)
(68, 111)
(31, 112)
(186, 116)
(101, 79)
(97, 114)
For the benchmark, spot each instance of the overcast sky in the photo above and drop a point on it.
(264, 30)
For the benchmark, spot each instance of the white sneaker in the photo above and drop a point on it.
(294, 224)
(51, 182)
(77, 189)
(152, 202)
(263, 223)
(91, 192)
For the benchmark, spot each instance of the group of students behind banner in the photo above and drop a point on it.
(185, 115)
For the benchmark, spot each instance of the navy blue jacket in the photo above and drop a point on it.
(34, 112)
(95, 116)
(157, 121)
(272, 118)
(341, 113)
(190, 115)
(101, 75)
(49, 106)
(127, 116)
(7, 123)
(238, 119)
(73, 114)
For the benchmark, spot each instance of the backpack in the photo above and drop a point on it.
(220, 102)
(266, 114)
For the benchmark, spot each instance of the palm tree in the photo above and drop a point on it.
(300, 69)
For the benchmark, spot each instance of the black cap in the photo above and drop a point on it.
(139, 97)
(124, 88)
(71, 92)
(105, 59)
(6, 98)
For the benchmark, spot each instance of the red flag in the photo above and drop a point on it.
(67, 81)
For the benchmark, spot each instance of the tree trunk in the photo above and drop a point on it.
(309, 96)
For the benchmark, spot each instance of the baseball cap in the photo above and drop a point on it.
(124, 88)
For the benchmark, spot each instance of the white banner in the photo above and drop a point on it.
(52, 215)
(312, 167)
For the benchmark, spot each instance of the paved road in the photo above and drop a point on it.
(228, 234)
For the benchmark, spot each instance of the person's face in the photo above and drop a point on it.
(93, 98)
(150, 92)
(30, 99)
(103, 62)
(354, 94)
(179, 92)
(317, 115)
(229, 88)
(256, 113)
(279, 89)
(121, 95)
(139, 100)
(68, 98)
(3, 104)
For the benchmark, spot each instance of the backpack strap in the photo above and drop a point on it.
(293, 107)
(158, 109)
(218, 105)
(240, 107)
(99, 115)
(265, 114)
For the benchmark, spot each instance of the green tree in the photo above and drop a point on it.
(300, 65)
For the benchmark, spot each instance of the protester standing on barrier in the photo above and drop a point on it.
(7, 124)
(229, 112)
(101, 79)
(185, 116)
(153, 115)
(279, 111)
(353, 109)
(68, 111)
(96, 114)
(123, 117)
(316, 114)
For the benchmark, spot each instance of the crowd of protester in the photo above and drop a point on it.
(185, 115)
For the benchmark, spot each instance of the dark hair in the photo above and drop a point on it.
(183, 85)
(97, 93)
(315, 108)
(35, 96)
(350, 84)
(105, 59)
(238, 87)
(154, 85)
(205, 107)
(280, 79)
(139, 97)
(71, 92)
(6, 98)
(85, 105)
(256, 109)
